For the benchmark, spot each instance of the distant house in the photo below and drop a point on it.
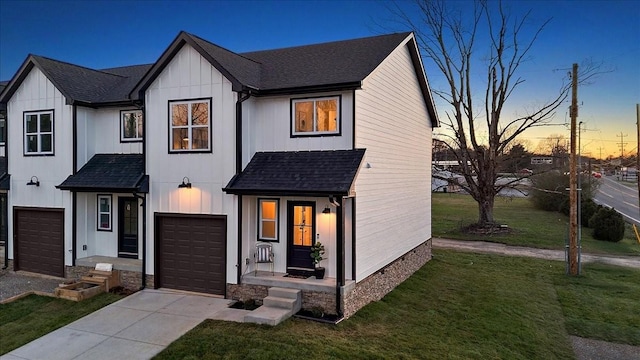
(176, 170)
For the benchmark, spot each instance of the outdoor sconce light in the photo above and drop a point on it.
(36, 183)
(186, 183)
(326, 210)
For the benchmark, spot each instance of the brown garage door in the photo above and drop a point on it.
(39, 240)
(191, 252)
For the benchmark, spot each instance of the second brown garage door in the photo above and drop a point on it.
(191, 252)
(39, 245)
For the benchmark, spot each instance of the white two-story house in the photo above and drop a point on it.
(177, 170)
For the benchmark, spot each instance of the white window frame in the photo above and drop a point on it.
(38, 133)
(190, 126)
(338, 129)
(276, 220)
(100, 212)
(138, 137)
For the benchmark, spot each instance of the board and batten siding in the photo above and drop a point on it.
(267, 126)
(393, 213)
(325, 233)
(99, 133)
(190, 76)
(37, 93)
(102, 243)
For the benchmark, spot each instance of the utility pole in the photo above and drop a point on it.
(622, 143)
(573, 179)
(600, 166)
(638, 150)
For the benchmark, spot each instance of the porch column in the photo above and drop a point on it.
(340, 241)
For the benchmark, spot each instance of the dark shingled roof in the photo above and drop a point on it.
(338, 62)
(3, 85)
(109, 172)
(312, 173)
(331, 66)
(81, 84)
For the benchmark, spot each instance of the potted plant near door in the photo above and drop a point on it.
(317, 250)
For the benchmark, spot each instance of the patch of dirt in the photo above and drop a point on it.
(245, 305)
(495, 229)
(317, 314)
(119, 290)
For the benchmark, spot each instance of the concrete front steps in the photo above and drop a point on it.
(278, 306)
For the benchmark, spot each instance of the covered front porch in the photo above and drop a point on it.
(289, 202)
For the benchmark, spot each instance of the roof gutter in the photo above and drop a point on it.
(310, 89)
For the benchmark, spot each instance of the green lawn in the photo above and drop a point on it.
(29, 318)
(531, 227)
(458, 306)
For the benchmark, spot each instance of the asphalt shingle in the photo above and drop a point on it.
(313, 173)
(108, 172)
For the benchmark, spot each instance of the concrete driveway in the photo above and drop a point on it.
(136, 327)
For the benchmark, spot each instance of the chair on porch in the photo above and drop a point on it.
(263, 255)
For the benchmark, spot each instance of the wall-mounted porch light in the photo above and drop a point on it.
(186, 183)
(326, 210)
(32, 182)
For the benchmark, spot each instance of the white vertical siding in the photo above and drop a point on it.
(267, 126)
(106, 131)
(38, 93)
(393, 195)
(190, 76)
(103, 243)
(325, 233)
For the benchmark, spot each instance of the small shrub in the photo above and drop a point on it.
(550, 193)
(607, 225)
(588, 209)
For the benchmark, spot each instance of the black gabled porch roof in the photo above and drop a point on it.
(110, 173)
(298, 173)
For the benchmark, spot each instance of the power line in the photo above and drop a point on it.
(621, 144)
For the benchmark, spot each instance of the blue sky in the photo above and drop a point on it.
(102, 34)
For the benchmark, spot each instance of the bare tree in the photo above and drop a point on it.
(479, 137)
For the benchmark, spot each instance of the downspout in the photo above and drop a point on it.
(353, 199)
(6, 210)
(144, 235)
(340, 276)
(74, 194)
(243, 97)
(144, 198)
(353, 239)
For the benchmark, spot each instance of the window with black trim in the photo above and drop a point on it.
(315, 116)
(104, 213)
(131, 123)
(3, 130)
(268, 219)
(38, 133)
(190, 125)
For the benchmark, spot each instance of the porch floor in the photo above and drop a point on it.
(118, 263)
(264, 278)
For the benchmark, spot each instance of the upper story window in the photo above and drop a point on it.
(190, 125)
(38, 133)
(315, 116)
(130, 125)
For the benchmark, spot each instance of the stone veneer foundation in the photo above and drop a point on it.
(131, 280)
(355, 296)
